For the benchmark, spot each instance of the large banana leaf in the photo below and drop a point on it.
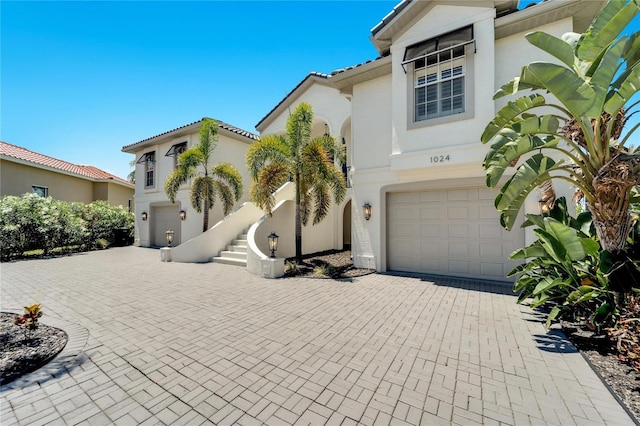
(567, 238)
(571, 90)
(528, 176)
(511, 110)
(627, 85)
(553, 46)
(534, 250)
(605, 28)
(509, 146)
(608, 66)
(524, 82)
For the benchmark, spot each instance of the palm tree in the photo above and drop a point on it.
(309, 163)
(593, 89)
(222, 180)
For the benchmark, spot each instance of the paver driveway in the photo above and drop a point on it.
(171, 343)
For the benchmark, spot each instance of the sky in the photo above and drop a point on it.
(81, 79)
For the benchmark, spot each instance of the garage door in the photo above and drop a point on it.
(164, 218)
(449, 232)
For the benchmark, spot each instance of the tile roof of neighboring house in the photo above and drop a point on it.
(25, 155)
(310, 75)
(221, 124)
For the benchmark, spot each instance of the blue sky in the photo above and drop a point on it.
(79, 80)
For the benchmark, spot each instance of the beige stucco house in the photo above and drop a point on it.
(24, 171)
(156, 157)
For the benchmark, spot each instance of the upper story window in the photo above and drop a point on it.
(439, 69)
(149, 161)
(42, 191)
(175, 152)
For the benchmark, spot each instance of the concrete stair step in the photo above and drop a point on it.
(233, 254)
(237, 249)
(230, 261)
(239, 242)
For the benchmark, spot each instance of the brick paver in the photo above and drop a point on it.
(170, 343)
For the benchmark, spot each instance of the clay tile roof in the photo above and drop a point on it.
(221, 124)
(91, 172)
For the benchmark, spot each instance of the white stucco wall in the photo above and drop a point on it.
(390, 154)
(229, 150)
(328, 106)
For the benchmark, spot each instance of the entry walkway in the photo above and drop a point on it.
(170, 343)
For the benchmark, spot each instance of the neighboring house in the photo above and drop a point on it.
(411, 121)
(156, 157)
(24, 171)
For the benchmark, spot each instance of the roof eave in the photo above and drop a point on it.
(546, 12)
(308, 81)
(405, 13)
(345, 80)
(176, 133)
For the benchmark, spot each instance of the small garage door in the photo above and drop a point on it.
(164, 218)
(449, 232)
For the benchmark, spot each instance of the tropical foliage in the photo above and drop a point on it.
(576, 135)
(309, 163)
(221, 181)
(564, 268)
(31, 222)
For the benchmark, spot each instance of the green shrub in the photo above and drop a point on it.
(31, 223)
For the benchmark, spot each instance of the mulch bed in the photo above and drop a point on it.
(330, 264)
(600, 352)
(22, 353)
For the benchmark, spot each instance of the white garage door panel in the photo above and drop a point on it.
(450, 232)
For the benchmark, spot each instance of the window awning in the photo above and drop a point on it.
(460, 37)
(147, 157)
(176, 149)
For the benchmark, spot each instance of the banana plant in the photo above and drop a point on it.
(575, 135)
(564, 268)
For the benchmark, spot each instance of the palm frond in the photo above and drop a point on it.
(225, 194)
(269, 149)
(202, 189)
(299, 127)
(231, 177)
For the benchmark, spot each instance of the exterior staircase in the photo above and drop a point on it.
(236, 252)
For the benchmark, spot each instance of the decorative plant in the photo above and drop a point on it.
(221, 181)
(29, 320)
(626, 333)
(577, 134)
(564, 269)
(308, 163)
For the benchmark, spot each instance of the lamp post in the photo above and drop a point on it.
(169, 234)
(273, 243)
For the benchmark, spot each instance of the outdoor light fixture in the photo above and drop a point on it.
(273, 243)
(144, 215)
(366, 208)
(326, 129)
(183, 215)
(169, 237)
(543, 206)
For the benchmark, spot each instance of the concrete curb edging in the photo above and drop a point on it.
(57, 366)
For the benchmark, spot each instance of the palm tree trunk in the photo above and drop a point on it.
(612, 192)
(205, 216)
(298, 222)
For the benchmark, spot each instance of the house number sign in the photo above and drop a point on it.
(439, 158)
